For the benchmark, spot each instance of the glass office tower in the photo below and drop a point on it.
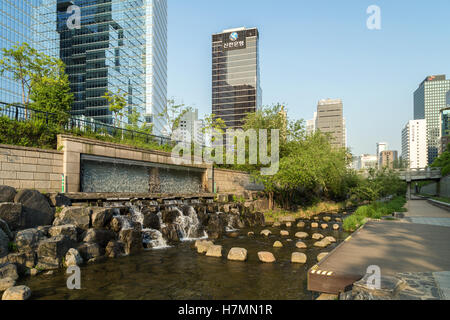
(235, 75)
(429, 100)
(30, 21)
(121, 45)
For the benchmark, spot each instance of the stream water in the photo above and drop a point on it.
(179, 272)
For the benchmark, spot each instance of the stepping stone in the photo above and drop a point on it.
(331, 239)
(284, 233)
(301, 245)
(322, 243)
(298, 257)
(288, 224)
(336, 226)
(251, 234)
(17, 293)
(316, 218)
(301, 235)
(317, 236)
(327, 219)
(214, 251)
(266, 233)
(301, 224)
(324, 225)
(276, 224)
(203, 246)
(266, 257)
(338, 219)
(321, 256)
(277, 244)
(314, 225)
(237, 254)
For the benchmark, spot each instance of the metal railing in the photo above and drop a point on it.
(72, 124)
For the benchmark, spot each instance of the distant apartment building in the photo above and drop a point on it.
(236, 87)
(429, 100)
(311, 125)
(367, 161)
(445, 125)
(381, 146)
(190, 128)
(415, 144)
(30, 21)
(330, 120)
(388, 158)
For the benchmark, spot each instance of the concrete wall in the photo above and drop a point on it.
(433, 190)
(31, 168)
(231, 181)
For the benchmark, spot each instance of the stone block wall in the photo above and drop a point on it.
(432, 188)
(231, 181)
(31, 168)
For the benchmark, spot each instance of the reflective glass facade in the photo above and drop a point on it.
(122, 44)
(235, 75)
(429, 100)
(30, 21)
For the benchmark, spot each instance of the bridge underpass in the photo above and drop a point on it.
(416, 175)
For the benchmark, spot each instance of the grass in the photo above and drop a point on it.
(375, 210)
(441, 199)
(276, 215)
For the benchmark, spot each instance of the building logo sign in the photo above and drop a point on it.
(234, 41)
(234, 36)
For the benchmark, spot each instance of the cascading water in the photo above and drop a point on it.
(189, 225)
(154, 239)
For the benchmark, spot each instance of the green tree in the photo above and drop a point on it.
(443, 161)
(117, 102)
(171, 116)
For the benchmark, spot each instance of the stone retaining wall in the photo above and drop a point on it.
(31, 168)
(231, 181)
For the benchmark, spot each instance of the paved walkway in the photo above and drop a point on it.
(420, 243)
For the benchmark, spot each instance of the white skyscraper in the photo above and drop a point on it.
(190, 128)
(414, 144)
(311, 125)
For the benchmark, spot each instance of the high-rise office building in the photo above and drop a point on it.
(415, 144)
(30, 21)
(121, 45)
(330, 120)
(235, 75)
(429, 100)
(190, 128)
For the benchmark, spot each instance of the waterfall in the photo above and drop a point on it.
(189, 225)
(154, 239)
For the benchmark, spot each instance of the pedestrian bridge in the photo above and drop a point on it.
(410, 175)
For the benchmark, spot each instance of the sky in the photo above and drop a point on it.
(312, 50)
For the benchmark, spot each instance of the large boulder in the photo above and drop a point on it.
(5, 228)
(101, 217)
(4, 244)
(151, 221)
(68, 230)
(12, 214)
(115, 249)
(36, 209)
(27, 240)
(100, 236)
(59, 200)
(203, 246)
(80, 217)
(73, 258)
(266, 257)
(90, 251)
(51, 252)
(8, 270)
(21, 260)
(17, 293)
(237, 254)
(7, 194)
(6, 283)
(132, 240)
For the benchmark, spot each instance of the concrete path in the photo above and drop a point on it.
(417, 244)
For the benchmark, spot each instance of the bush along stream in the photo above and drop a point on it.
(166, 248)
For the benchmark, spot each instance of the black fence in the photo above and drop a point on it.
(73, 124)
